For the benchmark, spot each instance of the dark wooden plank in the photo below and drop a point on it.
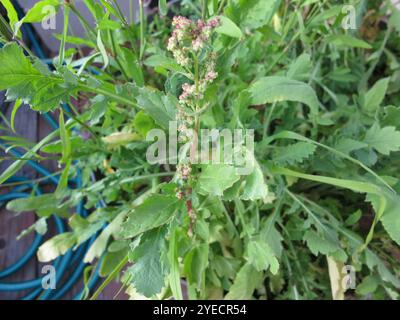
(34, 128)
(10, 224)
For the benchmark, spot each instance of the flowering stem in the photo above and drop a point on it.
(196, 75)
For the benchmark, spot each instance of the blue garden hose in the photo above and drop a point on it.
(72, 259)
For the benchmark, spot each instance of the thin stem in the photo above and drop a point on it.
(83, 125)
(109, 94)
(61, 55)
(83, 21)
(110, 277)
(221, 7)
(115, 54)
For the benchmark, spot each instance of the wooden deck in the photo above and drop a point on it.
(32, 126)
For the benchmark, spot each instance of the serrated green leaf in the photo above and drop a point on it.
(228, 27)
(375, 95)
(261, 256)
(368, 285)
(246, 281)
(154, 212)
(158, 60)
(55, 247)
(255, 14)
(255, 187)
(390, 218)
(23, 81)
(149, 269)
(317, 244)
(160, 107)
(384, 140)
(294, 153)
(300, 69)
(216, 178)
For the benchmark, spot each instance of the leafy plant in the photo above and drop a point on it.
(323, 188)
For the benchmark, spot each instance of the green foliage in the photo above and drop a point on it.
(149, 270)
(43, 91)
(323, 184)
(275, 89)
(153, 212)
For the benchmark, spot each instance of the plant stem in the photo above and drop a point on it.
(109, 94)
(115, 54)
(83, 21)
(110, 277)
(61, 55)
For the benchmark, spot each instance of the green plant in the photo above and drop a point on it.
(324, 106)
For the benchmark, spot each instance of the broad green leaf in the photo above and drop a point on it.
(149, 269)
(143, 123)
(131, 65)
(100, 244)
(384, 140)
(229, 28)
(55, 247)
(294, 153)
(390, 217)
(159, 60)
(353, 218)
(162, 5)
(216, 178)
(84, 228)
(38, 12)
(257, 13)
(246, 281)
(110, 261)
(42, 92)
(160, 107)
(391, 117)
(347, 145)
(154, 212)
(261, 256)
(318, 244)
(174, 277)
(44, 205)
(255, 187)
(300, 69)
(368, 285)
(15, 68)
(195, 264)
(344, 40)
(274, 89)
(374, 97)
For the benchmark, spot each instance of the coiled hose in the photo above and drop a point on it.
(72, 260)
